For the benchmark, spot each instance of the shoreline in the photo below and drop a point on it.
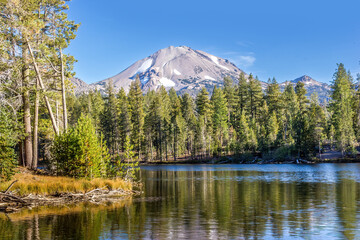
(257, 161)
(32, 189)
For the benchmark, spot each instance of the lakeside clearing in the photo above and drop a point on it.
(34, 188)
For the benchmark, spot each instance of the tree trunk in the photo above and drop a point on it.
(26, 108)
(21, 154)
(48, 106)
(63, 91)
(175, 144)
(57, 113)
(160, 141)
(35, 130)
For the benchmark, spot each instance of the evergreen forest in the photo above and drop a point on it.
(103, 133)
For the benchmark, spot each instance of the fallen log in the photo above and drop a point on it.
(11, 198)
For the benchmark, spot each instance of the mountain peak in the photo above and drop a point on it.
(183, 68)
(304, 78)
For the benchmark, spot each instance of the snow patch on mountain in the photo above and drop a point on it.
(209, 78)
(177, 72)
(216, 61)
(145, 66)
(167, 82)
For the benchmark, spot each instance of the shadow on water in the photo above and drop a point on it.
(212, 202)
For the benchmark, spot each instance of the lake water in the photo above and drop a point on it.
(212, 202)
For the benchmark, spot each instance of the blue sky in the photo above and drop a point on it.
(281, 39)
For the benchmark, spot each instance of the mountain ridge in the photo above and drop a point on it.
(186, 70)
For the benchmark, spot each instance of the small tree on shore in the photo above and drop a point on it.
(80, 152)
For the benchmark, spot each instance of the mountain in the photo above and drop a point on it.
(80, 86)
(311, 86)
(184, 69)
(187, 70)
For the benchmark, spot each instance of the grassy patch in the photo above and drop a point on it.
(29, 183)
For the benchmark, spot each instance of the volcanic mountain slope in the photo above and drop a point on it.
(311, 86)
(184, 69)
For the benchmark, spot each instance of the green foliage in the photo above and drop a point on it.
(341, 106)
(80, 152)
(136, 101)
(125, 165)
(7, 144)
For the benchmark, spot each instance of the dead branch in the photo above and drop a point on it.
(6, 191)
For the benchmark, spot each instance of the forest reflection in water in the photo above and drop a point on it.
(212, 202)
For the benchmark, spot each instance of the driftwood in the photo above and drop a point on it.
(10, 203)
(4, 197)
(6, 191)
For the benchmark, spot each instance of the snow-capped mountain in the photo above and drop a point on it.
(184, 69)
(311, 86)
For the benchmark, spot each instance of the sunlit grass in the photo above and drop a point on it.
(52, 185)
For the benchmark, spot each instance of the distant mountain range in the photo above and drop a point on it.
(311, 86)
(186, 70)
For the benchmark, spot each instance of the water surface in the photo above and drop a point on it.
(212, 202)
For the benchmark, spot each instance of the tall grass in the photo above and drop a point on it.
(52, 185)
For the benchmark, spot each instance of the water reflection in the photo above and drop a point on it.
(213, 202)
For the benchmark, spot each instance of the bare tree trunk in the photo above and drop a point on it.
(63, 91)
(57, 112)
(174, 145)
(48, 106)
(35, 130)
(26, 108)
(151, 148)
(21, 154)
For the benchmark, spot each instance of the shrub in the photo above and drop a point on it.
(80, 152)
(7, 142)
(125, 165)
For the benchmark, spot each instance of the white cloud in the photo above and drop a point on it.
(243, 61)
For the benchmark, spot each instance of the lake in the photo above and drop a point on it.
(275, 201)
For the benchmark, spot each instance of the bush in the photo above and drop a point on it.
(7, 142)
(80, 152)
(125, 165)
(7, 161)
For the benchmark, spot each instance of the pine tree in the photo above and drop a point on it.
(124, 123)
(317, 120)
(242, 93)
(356, 109)
(243, 134)
(219, 117)
(175, 114)
(231, 98)
(110, 121)
(255, 96)
(291, 109)
(80, 152)
(203, 108)
(342, 96)
(165, 133)
(188, 114)
(272, 130)
(154, 120)
(273, 97)
(301, 124)
(136, 101)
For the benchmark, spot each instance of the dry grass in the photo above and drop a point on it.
(29, 183)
